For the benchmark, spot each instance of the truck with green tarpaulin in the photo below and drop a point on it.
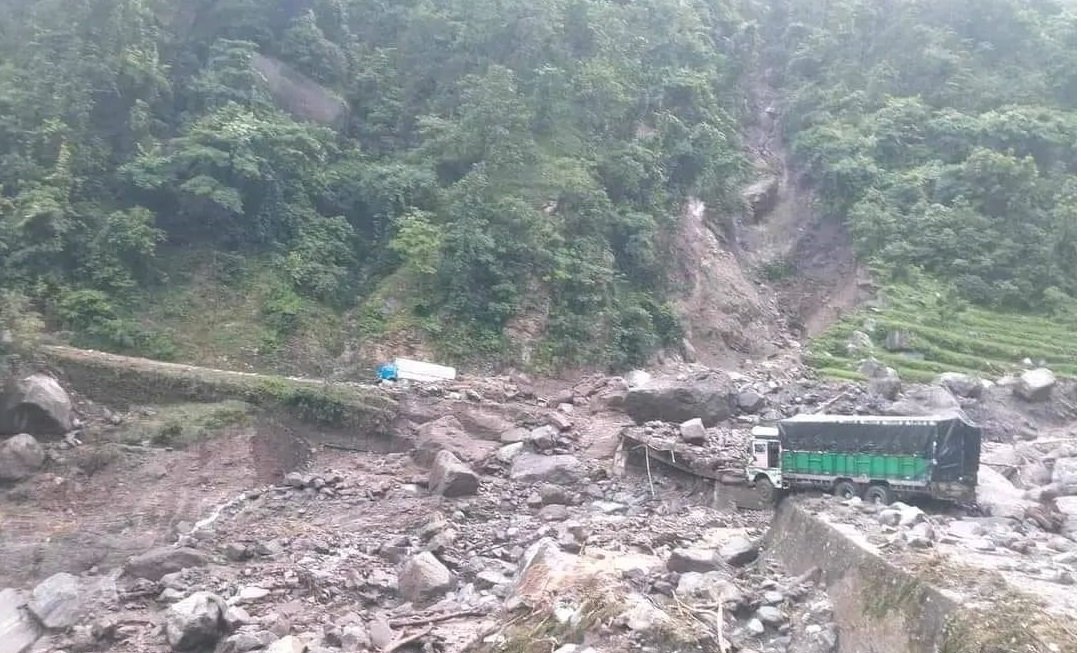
(878, 458)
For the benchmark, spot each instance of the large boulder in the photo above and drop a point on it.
(859, 343)
(998, 497)
(423, 577)
(711, 399)
(36, 405)
(881, 380)
(197, 621)
(532, 467)
(897, 340)
(448, 434)
(1035, 385)
(693, 559)
(961, 385)
(484, 423)
(925, 400)
(62, 599)
(738, 551)
(18, 629)
(1064, 473)
(155, 563)
(693, 431)
(451, 478)
(20, 457)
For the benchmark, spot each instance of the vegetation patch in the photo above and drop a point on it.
(180, 425)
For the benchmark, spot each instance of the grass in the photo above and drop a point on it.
(946, 337)
(180, 425)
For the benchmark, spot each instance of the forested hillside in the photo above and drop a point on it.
(464, 170)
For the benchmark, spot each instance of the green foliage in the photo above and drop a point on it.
(20, 328)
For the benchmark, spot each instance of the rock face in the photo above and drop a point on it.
(61, 600)
(197, 621)
(451, 478)
(760, 197)
(961, 385)
(1035, 385)
(20, 457)
(709, 399)
(693, 431)
(155, 563)
(531, 467)
(18, 630)
(36, 405)
(423, 577)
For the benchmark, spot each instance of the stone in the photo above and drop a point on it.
(355, 637)
(636, 378)
(738, 551)
(693, 559)
(516, 434)
(288, 644)
(295, 479)
(508, 452)
(1064, 473)
(881, 380)
(1035, 385)
(772, 597)
(693, 431)
(484, 424)
(18, 628)
(532, 467)
(424, 577)
(964, 529)
(246, 641)
(755, 627)
(998, 497)
(750, 401)
(251, 594)
(889, 517)
(909, 514)
(559, 420)
(641, 616)
(235, 617)
(961, 385)
(859, 343)
(197, 621)
(449, 477)
(155, 563)
(713, 585)
(920, 536)
(552, 493)
(20, 457)
(448, 434)
(897, 340)
(770, 615)
(543, 437)
(237, 552)
(380, 632)
(710, 399)
(36, 405)
(62, 599)
(554, 512)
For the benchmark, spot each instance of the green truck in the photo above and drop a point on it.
(878, 458)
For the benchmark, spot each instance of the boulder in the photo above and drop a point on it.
(516, 434)
(20, 457)
(714, 585)
(759, 198)
(881, 380)
(1064, 473)
(532, 467)
(961, 385)
(738, 551)
(897, 340)
(925, 400)
(543, 437)
(36, 405)
(423, 577)
(998, 497)
(640, 615)
(246, 641)
(448, 434)
(484, 424)
(18, 629)
(710, 399)
(451, 478)
(636, 378)
(693, 559)
(859, 343)
(560, 420)
(196, 622)
(62, 599)
(543, 567)
(288, 644)
(155, 563)
(750, 401)
(770, 615)
(693, 431)
(508, 452)
(1035, 385)
(1067, 506)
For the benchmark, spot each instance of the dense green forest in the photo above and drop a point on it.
(458, 160)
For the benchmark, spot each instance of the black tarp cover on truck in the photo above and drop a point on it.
(952, 442)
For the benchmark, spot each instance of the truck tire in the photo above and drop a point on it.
(766, 492)
(879, 494)
(846, 490)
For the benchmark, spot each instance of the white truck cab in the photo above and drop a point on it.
(764, 469)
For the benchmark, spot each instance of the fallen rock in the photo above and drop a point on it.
(532, 467)
(288, 644)
(636, 378)
(713, 585)
(693, 431)
(36, 405)
(20, 457)
(448, 434)
(423, 577)
(755, 627)
(451, 478)
(62, 599)
(961, 385)
(693, 559)
(18, 629)
(484, 424)
(543, 437)
(770, 615)
(641, 616)
(516, 434)
(881, 380)
(750, 401)
(998, 497)
(710, 399)
(1064, 473)
(251, 594)
(897, 340)
(738, 551)
(859, 343)
(559, 420)
(920, 536)
(380, 632)
(508, 452)
(155, 563)
(1035, 385)
(197, 621)
(246, 641)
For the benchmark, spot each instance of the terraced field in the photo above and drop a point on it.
(942, 335)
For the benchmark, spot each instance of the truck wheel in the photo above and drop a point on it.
(879, 494)
(846, 490)
(766, 492)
